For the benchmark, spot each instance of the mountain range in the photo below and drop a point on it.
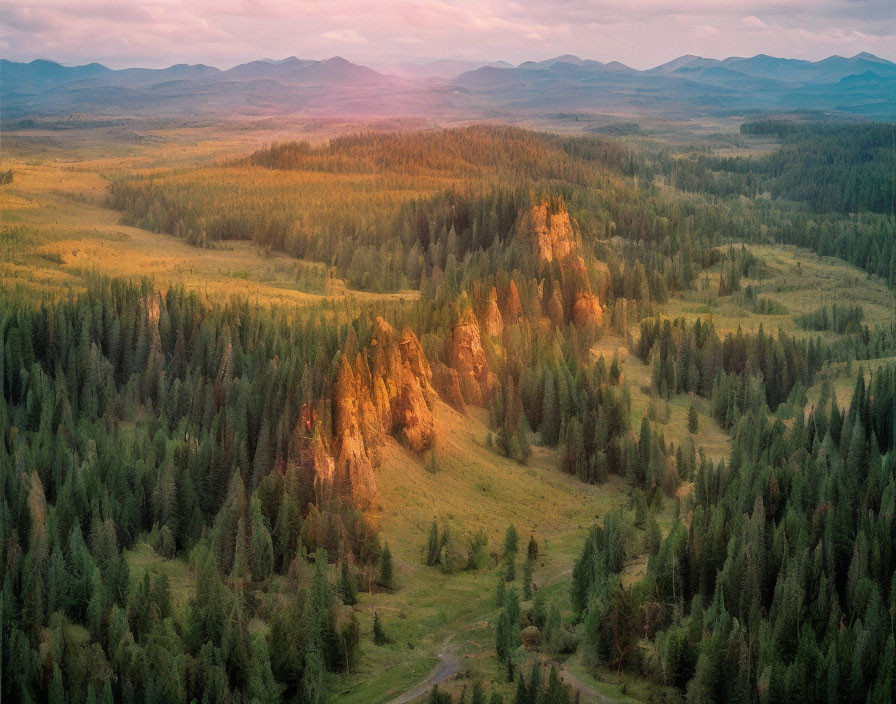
(687, 87)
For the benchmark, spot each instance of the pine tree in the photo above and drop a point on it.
(261, 554)
(500, 593)
(527, 580)
(379, 633)
(57, 689)
(438, 697)
(692, 418)
(511, 540)
(532, 548)
(509, 567)
(387, 578)
(240, 559)
(261, 685)
(348, 589)
(432, 548)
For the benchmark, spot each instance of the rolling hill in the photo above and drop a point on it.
(684, 88)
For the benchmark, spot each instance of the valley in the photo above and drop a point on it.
(243, 363)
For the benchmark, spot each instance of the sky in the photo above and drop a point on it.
(640, 33)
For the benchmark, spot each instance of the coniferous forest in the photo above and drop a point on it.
(609, 416)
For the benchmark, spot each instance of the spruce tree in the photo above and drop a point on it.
(432, 548)
(511, 540)
(527, 579)
(532, 548)
(387, 578)
(348, 589)
(379, 633)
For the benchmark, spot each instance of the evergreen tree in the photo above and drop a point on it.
(432, 548)
(532, 548)
(379, 633)
(386, 578)
(348, 588)
(261, 556)
(527, 579)
(262, 686)
(511, 540)
(692, 418)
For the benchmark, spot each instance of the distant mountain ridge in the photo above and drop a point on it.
(685, 87)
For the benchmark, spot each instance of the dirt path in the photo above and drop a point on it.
(447, 667)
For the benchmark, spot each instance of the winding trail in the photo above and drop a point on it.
(446, 668)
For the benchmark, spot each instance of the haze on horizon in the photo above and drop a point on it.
(640, 33)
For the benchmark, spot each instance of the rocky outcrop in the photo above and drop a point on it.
(556, 241)
(402, 378)
(315, 458)
(447, 384)
(354, 478)
(513, 308)
(491, 318)
(412, 354)
(411, 417)
(467, 357)
(387, 391)
(551, 232)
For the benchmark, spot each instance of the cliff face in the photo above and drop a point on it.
(551, 232)
(555, 240)
(492, 319)
(388, 391)
(354, 476)
(513, 308)
(315, 457)
(403, 380)
(447, 381)
(467, 357)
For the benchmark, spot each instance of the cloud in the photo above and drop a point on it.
(753, 22)
(345, 36)
(639, 32)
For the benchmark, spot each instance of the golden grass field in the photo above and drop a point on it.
(798, 279)
(54, 228)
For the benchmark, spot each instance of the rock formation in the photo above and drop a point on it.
(388, 391)
(492, 319)
(447, 383)
(354, 476)
(551, 232)
(512, 307)
(315, 458)
(467, 357)
(556, 241)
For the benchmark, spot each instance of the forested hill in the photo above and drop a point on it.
(845, 168)
(830, 187)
